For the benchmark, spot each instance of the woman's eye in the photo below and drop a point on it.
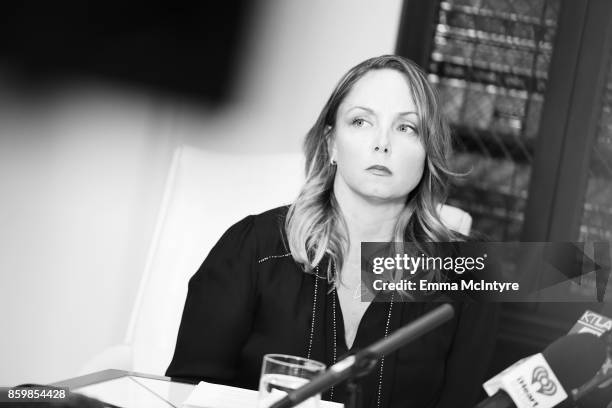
(406, 128)
(359, 122)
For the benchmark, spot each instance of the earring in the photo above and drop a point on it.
(332, 162)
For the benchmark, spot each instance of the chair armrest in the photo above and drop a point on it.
(118, 357)
(455, 219)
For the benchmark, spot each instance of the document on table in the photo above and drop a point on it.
(124, 392)
(208, 395)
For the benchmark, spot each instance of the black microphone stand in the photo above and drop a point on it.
(365, 362)
(354, 390)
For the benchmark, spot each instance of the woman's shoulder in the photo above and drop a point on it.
(250, 240)
(269, 224)
(266, 231)
(265, 221)
(272, 217)
(269, 227)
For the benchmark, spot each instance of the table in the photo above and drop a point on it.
(127, 388)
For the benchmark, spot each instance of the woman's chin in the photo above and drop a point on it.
(380, 196)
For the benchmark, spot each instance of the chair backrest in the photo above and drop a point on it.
(205, 193)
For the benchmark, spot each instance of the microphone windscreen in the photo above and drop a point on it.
(575, 358)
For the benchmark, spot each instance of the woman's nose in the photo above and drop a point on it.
(381, 144)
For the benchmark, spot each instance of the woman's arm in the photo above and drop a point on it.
(218, 312)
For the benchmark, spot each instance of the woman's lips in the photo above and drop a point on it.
(379, 170)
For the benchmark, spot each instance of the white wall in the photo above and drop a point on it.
(80, 173)
(296, 53)
(82, 170)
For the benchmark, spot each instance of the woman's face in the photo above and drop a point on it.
(375, 143)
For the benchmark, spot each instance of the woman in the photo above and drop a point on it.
(287, 281)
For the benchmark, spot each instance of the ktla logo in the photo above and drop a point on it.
(540, 376)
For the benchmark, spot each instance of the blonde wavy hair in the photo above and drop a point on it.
(315, 226)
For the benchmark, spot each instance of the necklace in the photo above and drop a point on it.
(334, 351)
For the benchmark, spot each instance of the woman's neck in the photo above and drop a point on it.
(367, 219)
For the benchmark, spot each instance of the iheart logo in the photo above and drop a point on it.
(540, 376)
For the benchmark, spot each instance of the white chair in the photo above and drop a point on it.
(205, 193)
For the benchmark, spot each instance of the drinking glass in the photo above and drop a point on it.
(281, 373)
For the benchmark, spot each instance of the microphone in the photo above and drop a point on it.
(363, 361)
(543, 380)
(597, 392)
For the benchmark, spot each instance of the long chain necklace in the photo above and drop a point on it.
(334, 351)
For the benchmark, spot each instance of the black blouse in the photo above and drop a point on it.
(250, 298)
